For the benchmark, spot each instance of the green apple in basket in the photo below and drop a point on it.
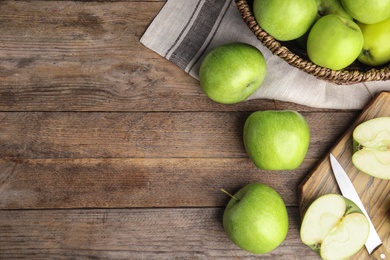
(256, 218)
(276, 139)
(334, 42)
(285, 20)
(334, 227)
(231, 72)
(376, 47)
(368, 11)
(332, 7)
(324, 7)
(371, 147)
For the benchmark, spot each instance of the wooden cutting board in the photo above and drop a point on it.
(374, 192)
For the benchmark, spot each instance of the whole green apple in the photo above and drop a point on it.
(231, 72)
(334, 42)
(276, 139)
(256, 218)
(376, 46)
(334, 227)
(285, 20)
(324, 7)
(332, 7)
(368, 11)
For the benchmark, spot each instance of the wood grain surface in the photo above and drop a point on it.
(109, 151)
(189, 233)
(374, 192)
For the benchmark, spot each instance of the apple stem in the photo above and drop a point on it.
(359, 147)
(223, 190)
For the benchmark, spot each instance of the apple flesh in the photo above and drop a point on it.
(276, 139)
(231, 72)
(376, 47)
(285, 20)
(334, 227)
(371, 147)
(334, 42)
(256, 218)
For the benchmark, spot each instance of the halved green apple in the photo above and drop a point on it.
(334, 227)
(371, 147)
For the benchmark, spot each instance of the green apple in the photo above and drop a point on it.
(368, 11)
(324, 7)
(334, 227)
(285, 20)
(371, 147)
(376, 46)
(332, 7)
(334, 42)
(276, 139)
(256, 218)
(231, 72)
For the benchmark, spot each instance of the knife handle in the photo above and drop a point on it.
(380, 253)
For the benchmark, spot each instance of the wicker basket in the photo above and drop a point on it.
(297, 57)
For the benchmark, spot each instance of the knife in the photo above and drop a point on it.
(373, 244)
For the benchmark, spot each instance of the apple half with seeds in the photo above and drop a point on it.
(371, 147)
(334, 227)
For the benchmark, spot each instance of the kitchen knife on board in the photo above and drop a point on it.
(373, 244)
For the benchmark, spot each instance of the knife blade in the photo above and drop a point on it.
(374, 243)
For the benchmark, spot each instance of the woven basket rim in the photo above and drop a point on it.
(346, 76)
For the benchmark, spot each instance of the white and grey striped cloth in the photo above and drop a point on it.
(184, 31)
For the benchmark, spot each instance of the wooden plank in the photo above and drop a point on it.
(192, 233)
(134, 182)
(86, 56)
(186, 134)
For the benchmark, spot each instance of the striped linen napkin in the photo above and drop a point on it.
(184, 31)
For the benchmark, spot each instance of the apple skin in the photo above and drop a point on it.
(256, 218)
(324, 7)
(328, 221)
(276, 139)
(371, 147)
(231, 72)
(376, 47)
(332, 7)
(368, 11)
(334, 42)
(285, 20)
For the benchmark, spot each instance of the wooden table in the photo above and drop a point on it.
(109, 151)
